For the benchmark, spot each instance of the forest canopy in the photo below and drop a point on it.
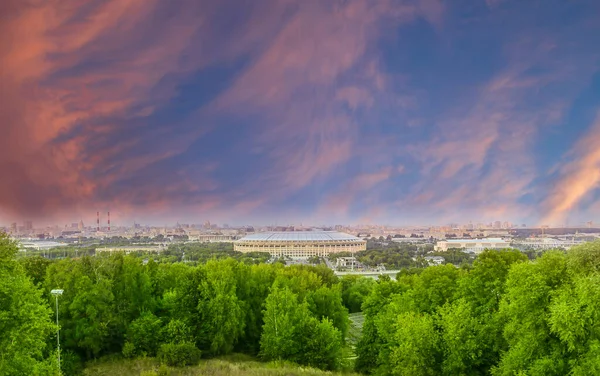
(502, 315)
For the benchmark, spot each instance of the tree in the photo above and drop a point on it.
(220, 311)
(371, 342)
(93, 315)
(575, 319)
(25, 325)
(326, 303)
(282, 316)
(532, 347)
(464, 343)
(35, 267)
(355, 290)
(292, 333)
(413, 345)
(144, 335)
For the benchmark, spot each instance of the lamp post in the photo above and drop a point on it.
(56, 294)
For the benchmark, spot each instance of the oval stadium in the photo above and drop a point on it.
(300, 244)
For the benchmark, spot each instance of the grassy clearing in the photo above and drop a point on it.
(236, 365)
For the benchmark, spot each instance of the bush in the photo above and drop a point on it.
(144, 334)
(128, 350)
(179, 354)
(163, 370)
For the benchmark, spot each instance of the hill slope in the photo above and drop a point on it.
(232, 366)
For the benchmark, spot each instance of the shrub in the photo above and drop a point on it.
(163, 370)
(144, 334)
(179, 354)
(128, 350)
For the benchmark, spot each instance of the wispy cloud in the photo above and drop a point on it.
(578, 177)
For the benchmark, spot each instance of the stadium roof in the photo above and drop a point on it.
(484, 240)
(300, 236)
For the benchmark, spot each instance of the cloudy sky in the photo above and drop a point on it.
(283, 111)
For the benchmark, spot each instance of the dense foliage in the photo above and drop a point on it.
(504, 316)
(25, 319)
(129, 305)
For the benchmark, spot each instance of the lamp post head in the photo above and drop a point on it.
(56, 292)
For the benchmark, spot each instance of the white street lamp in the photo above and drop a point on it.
(56, 294)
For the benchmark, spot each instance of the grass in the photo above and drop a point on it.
(235, 365)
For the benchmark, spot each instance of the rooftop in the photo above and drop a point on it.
(484, 240)
(301, 236)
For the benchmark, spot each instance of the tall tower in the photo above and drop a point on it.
(98, 221)
(108, 221)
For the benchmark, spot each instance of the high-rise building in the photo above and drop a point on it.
(28, 225)
(13, 227)
(497, 224)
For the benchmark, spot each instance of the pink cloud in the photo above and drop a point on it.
(42, 41)
(578, 178)
(306, 132)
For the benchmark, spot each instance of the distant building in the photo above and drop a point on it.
(471, 245)
(213, 238)
(300, 244)
(131, 248)
(546, 243)
(346, 262)
(28, 225)
(41, 246)
(435, 260)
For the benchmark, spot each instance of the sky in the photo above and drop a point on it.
(309, 111)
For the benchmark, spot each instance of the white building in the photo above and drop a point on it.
(346, 262)
(435, 260)
(546, 243)
(41, 245)
(471, 245)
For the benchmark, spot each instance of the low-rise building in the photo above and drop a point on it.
(546, 243)
(435, 260)
(346, 262)
(471, 245)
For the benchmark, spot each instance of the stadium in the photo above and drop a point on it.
(300, 244)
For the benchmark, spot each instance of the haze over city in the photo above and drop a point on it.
(291, 112)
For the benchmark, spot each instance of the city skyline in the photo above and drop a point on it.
(391, 112)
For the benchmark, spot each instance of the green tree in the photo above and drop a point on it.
(464, 342)
(292, 333)
(371, 343)
(575, 319)
(220, 310)
(93, 315)
(35, 267)
(25, 325)
(282, 316)
(532, 347)
(414, 345)
(144, 334)
(327, 303)
(355, 290)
